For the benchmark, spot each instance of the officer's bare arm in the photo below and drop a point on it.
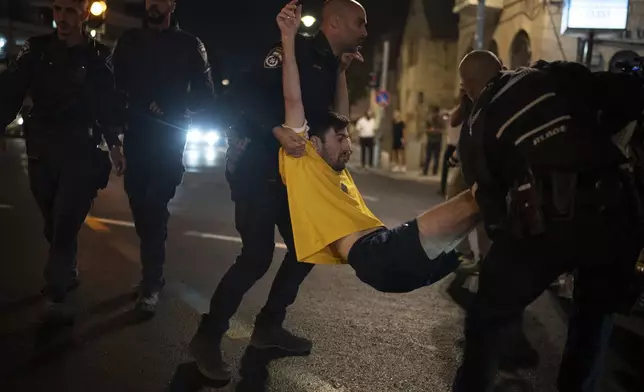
(14, 84)
(293, 105)
(441, 228)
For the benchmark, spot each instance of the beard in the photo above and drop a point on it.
(154, 16)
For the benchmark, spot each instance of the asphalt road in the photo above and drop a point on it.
(364, 341)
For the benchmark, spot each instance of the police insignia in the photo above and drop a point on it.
(26, 48)
(274, 58)
(202, 52)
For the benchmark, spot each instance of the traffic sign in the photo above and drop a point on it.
(382, 98)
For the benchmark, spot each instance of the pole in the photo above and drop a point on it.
(479, 39)
(381, 111)
(589, 49)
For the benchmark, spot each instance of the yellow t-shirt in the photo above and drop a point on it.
(325, 206)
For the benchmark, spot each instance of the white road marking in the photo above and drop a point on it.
(6, 206)
(224, 238)
(210, 236)
(114, 222)
(370, 198)
(238, 330)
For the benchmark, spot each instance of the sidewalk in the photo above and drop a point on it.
(384, 170)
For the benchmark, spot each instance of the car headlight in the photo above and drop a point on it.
(212, 137)
(194, 136)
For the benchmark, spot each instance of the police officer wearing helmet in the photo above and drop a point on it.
(75, 107)
(257, 107)
(553, 201)
(166, 76)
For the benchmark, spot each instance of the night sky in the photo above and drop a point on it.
(237, 32)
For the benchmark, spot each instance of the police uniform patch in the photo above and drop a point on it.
(26, 48)
(202, 52)
(274, 58)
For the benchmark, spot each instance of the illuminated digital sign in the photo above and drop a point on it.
(594, 15)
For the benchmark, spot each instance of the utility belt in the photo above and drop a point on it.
(560, 197)
(43, 137)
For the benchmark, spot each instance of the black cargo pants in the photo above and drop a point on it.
(64, 186)
(516, 272)
(259, 207)
(150, 185)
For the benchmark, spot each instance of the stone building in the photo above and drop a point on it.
(426, 71)
(523, 31)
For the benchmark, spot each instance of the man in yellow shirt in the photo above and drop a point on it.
(331, 223)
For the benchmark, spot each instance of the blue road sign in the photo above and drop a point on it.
(382, 98)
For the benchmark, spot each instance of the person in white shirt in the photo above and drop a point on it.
(366, 127)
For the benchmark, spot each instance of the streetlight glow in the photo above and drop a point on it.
(98, 8)
(308, 20)
(225, 82)
(93, 33)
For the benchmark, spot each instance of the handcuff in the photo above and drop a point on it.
(303, 130)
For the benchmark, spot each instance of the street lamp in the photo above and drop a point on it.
(97, 16)
(98, 8)
(225, 82)
(308, 20)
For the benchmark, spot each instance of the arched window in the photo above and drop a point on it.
(520, 51)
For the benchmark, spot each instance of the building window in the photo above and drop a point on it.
(520, 50)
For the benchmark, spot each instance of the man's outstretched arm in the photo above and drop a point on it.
(415, 254)
(440, 228)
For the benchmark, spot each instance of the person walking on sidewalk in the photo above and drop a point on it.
(398, 147)
(75, 106)
(434, 132)
(366, 127)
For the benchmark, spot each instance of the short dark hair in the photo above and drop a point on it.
(324, 123)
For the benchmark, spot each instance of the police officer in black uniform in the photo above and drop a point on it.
(166, 76)
(257, 107)
(551, 196)
(75, 105)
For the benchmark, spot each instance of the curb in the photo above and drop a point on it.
(409, 176)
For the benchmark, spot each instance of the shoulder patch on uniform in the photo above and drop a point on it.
(26, 48)
(202, 51)
(274, 58)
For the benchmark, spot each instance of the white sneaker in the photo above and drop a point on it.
(403, 169)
